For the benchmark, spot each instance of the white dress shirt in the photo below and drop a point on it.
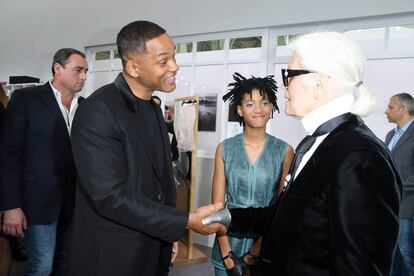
(68, 115)
(314, 119)
(398, 132)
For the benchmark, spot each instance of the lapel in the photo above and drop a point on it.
(407, 135)
(310, 166)
(52, 106)
(137, 127)
(389, 136)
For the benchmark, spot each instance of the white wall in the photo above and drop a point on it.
(31, 31)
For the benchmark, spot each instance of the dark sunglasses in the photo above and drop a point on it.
(290, 73)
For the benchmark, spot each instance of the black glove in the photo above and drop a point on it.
(248, 221)
(239, 268)
(254, 260)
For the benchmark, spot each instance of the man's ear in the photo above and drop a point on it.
(57, 67)
(321, 83)
(404, 109)
(132, 68)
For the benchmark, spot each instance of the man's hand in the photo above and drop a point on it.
(174, 251)
(195, 224)
(14, 222)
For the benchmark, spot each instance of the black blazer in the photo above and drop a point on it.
(403, 154)
(340, 214)
(37, 169)
(124, 219)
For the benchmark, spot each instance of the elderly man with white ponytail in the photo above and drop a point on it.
(338, 212)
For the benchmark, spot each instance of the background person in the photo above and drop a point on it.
(37, 171)
(401, 144)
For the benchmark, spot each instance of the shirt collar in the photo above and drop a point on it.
(58, 94)
(336, 107)
(404, 128)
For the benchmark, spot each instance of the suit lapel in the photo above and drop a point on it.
(310, 166)
(52, 106)
(406, 135)
(137, 127)
(389, 136)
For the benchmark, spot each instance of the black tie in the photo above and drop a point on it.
(309, 140)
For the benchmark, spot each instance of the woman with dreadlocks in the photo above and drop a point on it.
(249, 169)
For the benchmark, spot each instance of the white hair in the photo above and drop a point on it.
(335, 55)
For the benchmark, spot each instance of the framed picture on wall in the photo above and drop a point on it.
(207, 112)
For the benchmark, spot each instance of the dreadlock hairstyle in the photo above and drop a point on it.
(241, 86)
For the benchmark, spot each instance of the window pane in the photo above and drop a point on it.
(211, 45)
(284, 40)
(246, 42)
(116, 54)
(102, 55)
(184, 47)
(370, 40)
(366, 34)
(401, 38)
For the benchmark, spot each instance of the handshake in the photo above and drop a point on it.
(240, 221)
(209, 219)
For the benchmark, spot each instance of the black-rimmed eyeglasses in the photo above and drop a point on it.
(290, 73)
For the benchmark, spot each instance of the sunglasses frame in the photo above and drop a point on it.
(290, 73)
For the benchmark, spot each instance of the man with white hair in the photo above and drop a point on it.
(338, 213)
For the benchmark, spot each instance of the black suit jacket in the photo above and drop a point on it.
(125, 218)
(37, 169)
(403, 154)
(340, 214)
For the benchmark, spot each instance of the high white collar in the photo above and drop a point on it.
(336, 107)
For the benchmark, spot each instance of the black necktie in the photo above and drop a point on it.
(309, 140)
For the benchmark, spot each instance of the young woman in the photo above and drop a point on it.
(250, 168)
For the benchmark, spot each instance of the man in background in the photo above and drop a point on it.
(169, 120)
(37, 170)
(400, 142)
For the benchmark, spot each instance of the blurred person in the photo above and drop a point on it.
(169, 120)
(401, 144)
(37, 173)
(249, 169)
(125, 220)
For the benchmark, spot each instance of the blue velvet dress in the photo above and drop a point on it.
(249, 185)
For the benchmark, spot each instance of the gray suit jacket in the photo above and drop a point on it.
(403, 153)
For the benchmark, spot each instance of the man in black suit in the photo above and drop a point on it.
(338, 213)
(400, 142)
(37, 170)
(125, 218)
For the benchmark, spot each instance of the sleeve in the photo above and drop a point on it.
(100, 159)
(247, 221)
(363, 214)
(14, 129)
